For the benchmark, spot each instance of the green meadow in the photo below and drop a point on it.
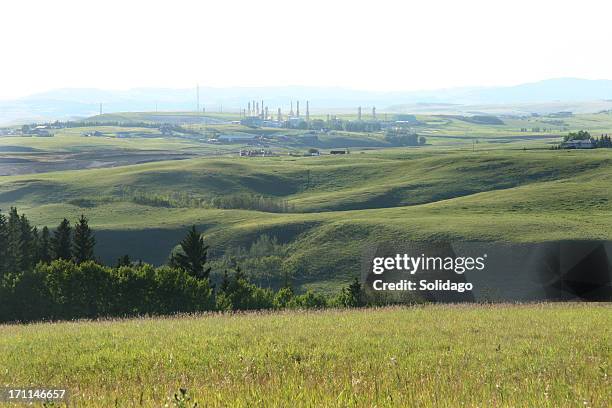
(313, 216)
(544, 355)
(510, 186)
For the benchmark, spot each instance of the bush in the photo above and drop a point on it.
(77, 291)
(65, 290)
(177, 291)
(308, 300)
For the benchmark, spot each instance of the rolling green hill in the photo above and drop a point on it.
(475, 180)
(337, 204)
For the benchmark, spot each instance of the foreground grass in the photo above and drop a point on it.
(548, 355)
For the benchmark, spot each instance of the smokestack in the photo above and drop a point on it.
(307, 111)
(297, 109)
(374, 112)
(266, 115)
(279, 117)
(359, 113)
(291, 111)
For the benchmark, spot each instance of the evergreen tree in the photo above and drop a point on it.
(44, 246)
(225, 282)
(192, 257)
(354, 290)
(3, 243)
(27, 245)
(124, 261)
(83, 242)
(61, 241)
(14, 246)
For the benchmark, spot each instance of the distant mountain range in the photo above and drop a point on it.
(578, 95)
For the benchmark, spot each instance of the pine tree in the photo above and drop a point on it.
(27, 245)
(14, 246)
(83, 242)
(61, 241)
(3, 244)
(35, 246)
(192, 256)
(225, 282)
(44, 246)
(124, 261)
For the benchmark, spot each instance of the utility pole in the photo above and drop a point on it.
(198, 98)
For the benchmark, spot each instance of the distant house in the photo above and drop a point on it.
(236, 137)
(578, 144)
(338, 152)
(40, 131)
(256, 153)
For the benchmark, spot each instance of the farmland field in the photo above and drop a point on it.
(545, 355)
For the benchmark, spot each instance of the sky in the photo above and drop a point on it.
(370, 45)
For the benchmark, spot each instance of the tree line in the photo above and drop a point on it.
(22, 245)
(54, 275)
(398, 136)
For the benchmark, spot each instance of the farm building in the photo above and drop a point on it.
(256, 153)
(578, 144)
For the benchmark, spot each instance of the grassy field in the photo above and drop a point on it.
(507, 187)
(544, 355)
(339, 203)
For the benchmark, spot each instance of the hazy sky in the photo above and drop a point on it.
(377, 44)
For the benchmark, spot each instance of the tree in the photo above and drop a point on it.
(44, 247)
(61, 241)
(3, 243)
(350, 296)
(14, 246)
(124, 261)
(84, 241)
(192, 255)
(28, 245)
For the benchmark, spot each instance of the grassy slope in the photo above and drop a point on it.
(349, 201)
(537, 355)
(444, 191)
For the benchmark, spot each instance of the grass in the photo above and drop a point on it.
(508, 189)
(544, 355)
(342, 203)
